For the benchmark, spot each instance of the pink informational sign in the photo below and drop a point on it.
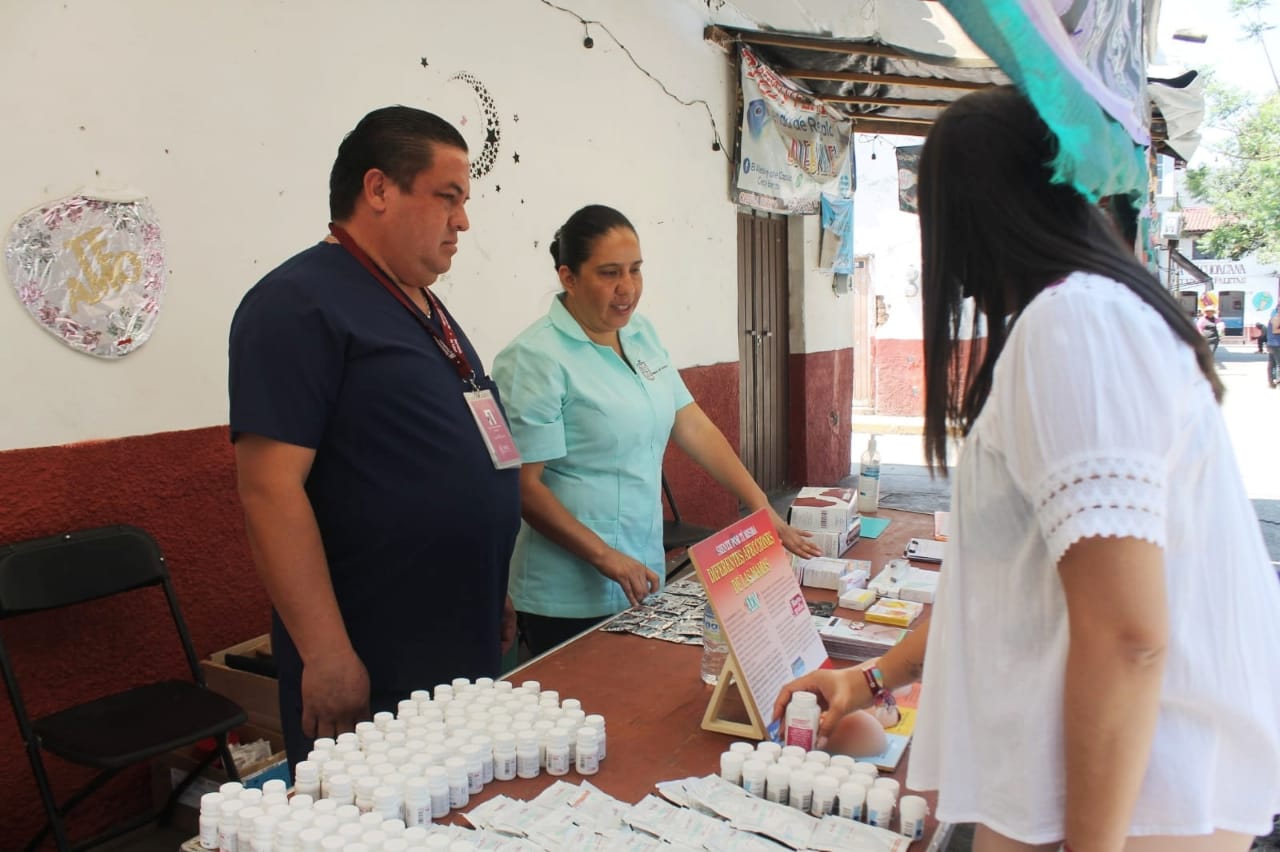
(761, 609)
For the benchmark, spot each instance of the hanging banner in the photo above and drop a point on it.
(909, 177)
(792, 148)
(90, 271)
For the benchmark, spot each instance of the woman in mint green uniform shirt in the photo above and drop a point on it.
(592, 399)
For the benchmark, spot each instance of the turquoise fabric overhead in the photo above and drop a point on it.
(1101, 135)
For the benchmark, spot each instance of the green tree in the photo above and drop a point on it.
(1255, 28)
(1243, 187)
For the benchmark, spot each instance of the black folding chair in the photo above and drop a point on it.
(114, 731)
(676, 534)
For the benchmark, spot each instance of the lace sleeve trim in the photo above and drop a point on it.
(1102, 497)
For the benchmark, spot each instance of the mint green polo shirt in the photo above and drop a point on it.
(601, 428)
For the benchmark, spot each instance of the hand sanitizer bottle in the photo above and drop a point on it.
(869, 479)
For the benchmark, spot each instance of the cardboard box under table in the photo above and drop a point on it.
(168, 770)
(257, 694)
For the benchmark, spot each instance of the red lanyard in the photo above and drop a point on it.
(449, 345)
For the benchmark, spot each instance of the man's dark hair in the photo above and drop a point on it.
(573, 241)
(994, 226)
(392, 140)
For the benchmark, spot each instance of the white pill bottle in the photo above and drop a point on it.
(800, 723)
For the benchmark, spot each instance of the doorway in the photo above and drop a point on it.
(863, 319)
(763, 346)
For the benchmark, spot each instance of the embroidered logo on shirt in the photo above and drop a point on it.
(647, 371)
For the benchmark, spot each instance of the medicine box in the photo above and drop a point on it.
(855, 577)
(895, 612)
(858, 599)
(168, 770)
(920, 585)
(834, 543)
(797, 568)
(825, 572)
(888, 583)
(823, 509)
(257, 694)
(900, 579)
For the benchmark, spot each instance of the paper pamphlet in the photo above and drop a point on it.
(941, 525)
(895, 747)
(760, 607)
(908, 701)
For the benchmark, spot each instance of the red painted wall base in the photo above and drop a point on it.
(700, 498)
(821, 388)
(899, 376)
(180, 487)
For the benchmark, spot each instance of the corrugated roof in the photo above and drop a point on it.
(880, 86)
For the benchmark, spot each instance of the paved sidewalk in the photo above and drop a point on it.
(1250, 408)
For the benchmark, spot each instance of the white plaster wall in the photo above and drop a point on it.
(890, 236)
(821, 319)
(228, 115)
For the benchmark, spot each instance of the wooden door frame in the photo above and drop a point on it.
(764, 335)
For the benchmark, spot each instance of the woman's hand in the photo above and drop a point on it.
(635, 578)
(839, 693)
(799, 542)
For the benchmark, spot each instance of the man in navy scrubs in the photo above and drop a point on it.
(380, 518)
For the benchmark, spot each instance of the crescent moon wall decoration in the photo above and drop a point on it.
(483, 163)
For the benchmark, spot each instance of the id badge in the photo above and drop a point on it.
(493, 429)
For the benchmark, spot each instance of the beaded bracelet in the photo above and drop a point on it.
(875, 683)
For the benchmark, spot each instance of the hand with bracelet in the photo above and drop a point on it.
(844, 691)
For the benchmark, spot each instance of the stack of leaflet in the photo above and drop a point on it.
(846, 639)
(829, 515)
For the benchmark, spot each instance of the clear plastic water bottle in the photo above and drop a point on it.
(715, 650)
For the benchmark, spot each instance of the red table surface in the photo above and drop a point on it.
(653, 698)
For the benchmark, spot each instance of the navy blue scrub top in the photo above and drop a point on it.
(418, 526)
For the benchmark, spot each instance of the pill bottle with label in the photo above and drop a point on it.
(754, 772)
(504, 756)
(801, 720)
(558, 752)
(778, 783)
(801, 790)
(588, 753)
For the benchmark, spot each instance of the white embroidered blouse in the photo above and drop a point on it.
(1099, 423)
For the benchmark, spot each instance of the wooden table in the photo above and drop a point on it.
(653, 698)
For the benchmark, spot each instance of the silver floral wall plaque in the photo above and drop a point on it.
(90, 269)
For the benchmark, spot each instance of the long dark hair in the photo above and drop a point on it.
(995, 227)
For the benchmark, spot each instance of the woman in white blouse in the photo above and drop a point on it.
(1100, 670)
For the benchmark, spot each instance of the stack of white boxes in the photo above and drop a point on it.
(903, 581)
(830, 515)
(827, 572)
